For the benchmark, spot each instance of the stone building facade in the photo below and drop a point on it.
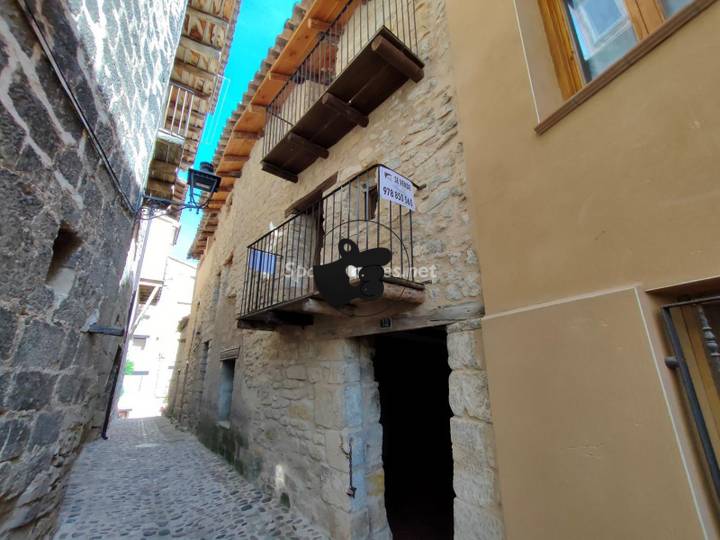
(68, 221)
(298, 409)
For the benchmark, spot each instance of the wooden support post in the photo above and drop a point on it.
(279, 171)
(308, 146)
(396, 58)
(345, 110)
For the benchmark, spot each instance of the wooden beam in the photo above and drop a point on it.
(398, 293)
(318, 24)
(163, 180)
(277, 318)
(195, 71)
(235, 158)
(159, 188)
(343, 109)
(252, 108)
(281, 77)
(163, 167)
(308, 146)
(231, 163)
(208, 17)
(312, 306)
(278, 171)
(396, 58)
(201, 48)
(362, 326)
(246, 135)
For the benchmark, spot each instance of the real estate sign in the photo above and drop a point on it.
(395, 188)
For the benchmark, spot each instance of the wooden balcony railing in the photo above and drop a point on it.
(365, 55)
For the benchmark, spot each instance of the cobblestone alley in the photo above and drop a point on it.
(151, 480)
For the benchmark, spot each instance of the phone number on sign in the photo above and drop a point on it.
(397, 196)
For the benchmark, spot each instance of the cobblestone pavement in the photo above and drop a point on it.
(150, 480)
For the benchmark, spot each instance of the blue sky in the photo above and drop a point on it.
(259, 23)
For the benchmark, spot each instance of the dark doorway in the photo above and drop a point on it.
(412, 371)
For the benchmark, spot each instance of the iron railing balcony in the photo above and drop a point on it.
(279, 265)
(366, 54)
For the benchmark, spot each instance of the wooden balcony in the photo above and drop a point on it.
(366, 55)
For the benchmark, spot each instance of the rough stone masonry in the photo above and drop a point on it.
(65, 230)
(300, 394)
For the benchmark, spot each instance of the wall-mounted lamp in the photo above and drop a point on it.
(204, 178)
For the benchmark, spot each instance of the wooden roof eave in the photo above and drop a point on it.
(298, 46)
(294, 47)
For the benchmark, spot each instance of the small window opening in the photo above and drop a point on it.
(61, 273)
(65, 245)
(227, 376)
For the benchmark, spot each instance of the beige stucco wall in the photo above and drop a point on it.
(623, 189)
(621, 194)
(589, 441)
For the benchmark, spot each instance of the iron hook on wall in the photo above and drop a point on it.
(348, 454)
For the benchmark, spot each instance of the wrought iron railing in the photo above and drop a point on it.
(278, 266)
(178, 111)
(352, 30)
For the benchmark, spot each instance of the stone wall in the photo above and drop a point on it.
(65, 229)
(478, 512)
(300, 392)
